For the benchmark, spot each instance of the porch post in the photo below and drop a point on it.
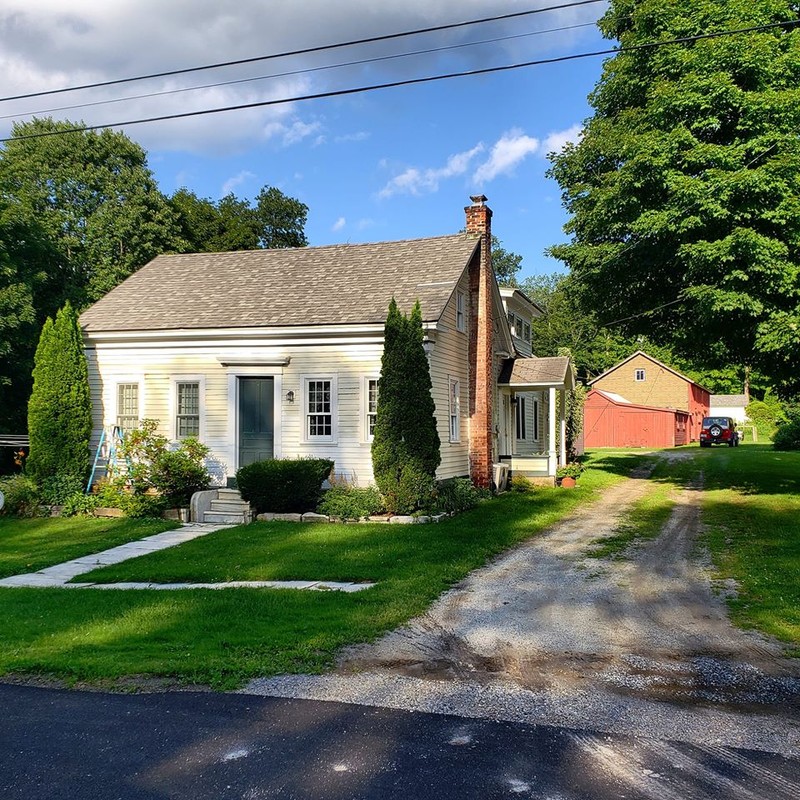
(552, 457)
(562, 419)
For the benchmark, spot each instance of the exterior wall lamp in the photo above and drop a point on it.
(290, 396)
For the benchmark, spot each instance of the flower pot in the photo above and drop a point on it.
(568, 482)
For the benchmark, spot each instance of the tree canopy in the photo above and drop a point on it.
(275, 221)
(95, 200)
(684, 190)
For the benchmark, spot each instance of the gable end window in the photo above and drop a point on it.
(319, 409)
(187, 416)
(639, 375)
(128, 406)
(461, 319)
(455, 410)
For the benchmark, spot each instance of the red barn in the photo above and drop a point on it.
(645, 380)
(609, 420)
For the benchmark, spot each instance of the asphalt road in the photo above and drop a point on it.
(68, 744)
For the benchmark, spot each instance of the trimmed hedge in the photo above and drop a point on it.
(284, 485)
(787, 437)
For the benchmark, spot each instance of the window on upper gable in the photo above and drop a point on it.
(639, 375)
(461, 312)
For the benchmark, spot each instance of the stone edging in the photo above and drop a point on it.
(310, 516)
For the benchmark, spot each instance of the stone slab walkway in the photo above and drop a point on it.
(59, 575)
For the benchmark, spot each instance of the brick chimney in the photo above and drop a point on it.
(481, 391)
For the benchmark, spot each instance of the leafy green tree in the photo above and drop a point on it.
(94, 198)
(26, 293)
(506, 264)
(275, 221)
(60, 408)
(406, 447)
(684, 190)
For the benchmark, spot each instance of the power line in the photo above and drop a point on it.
(307, 50)
(428, 51)
(406, 82)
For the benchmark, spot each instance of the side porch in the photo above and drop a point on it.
(531, 424)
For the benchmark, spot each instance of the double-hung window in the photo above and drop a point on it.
(187, 409)
(127, 406)
(639, 375)
(461, 313)
(522, 418)
(319, 423)
(370, 407)
(455, 410)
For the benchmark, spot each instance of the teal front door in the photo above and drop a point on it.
(256, 420)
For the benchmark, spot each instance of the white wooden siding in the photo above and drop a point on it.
(450, 359)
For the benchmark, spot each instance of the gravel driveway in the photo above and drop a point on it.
(640, 645)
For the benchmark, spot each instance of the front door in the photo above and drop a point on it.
(256, 420)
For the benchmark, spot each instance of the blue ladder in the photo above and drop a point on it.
(103, 459)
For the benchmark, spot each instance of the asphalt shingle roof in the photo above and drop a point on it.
(533, 371)
(718, 400)
(331, 285)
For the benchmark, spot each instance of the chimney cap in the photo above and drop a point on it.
(478, 199)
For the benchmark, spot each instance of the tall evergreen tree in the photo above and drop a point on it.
(60, 408)
(405, 448)
(684, 190)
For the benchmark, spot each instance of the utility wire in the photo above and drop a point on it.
(359, 62)
(307, 50)
(405, 82)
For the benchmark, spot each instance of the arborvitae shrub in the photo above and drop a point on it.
(60, 408)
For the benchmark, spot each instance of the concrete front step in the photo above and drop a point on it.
(226, 516)
(232, 506)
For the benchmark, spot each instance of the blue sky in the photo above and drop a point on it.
(392, 164)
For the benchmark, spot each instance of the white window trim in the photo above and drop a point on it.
(636, 374)
(111, 402)
(174, 380)
(536, 426)
(334, 437)
(365, 437)
(461, 311)
(453, 381)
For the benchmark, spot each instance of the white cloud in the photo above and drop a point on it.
(556, 141)
(416, 181)
(234, 181)
(509, 150)
(50, 44)
(292, 132)
(359, 136)
(339, 224)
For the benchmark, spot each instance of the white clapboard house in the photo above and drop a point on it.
(277, 353)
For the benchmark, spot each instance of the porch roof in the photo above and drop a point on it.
(537, 373)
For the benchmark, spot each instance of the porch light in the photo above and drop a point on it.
(427, 345)
(514, 399)
(290, 396)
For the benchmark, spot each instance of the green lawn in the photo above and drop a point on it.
(752, 510)
(27, 545)
(225, 636)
